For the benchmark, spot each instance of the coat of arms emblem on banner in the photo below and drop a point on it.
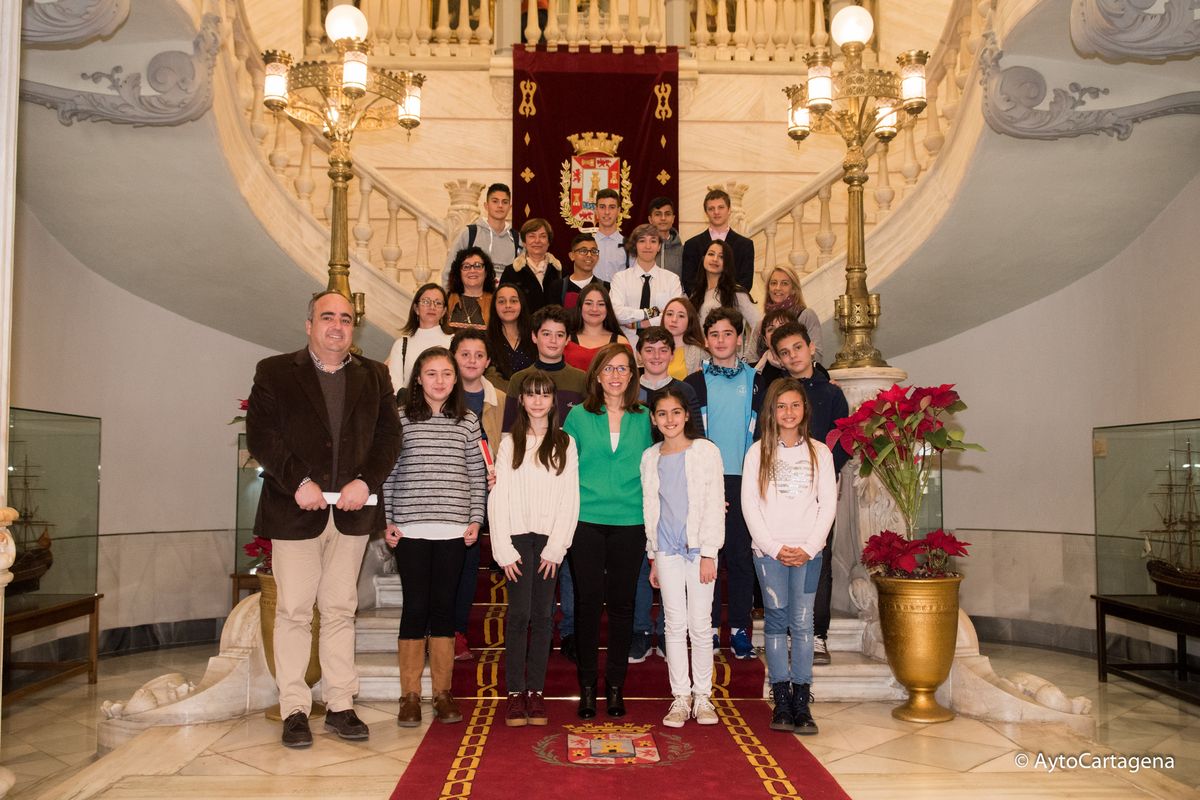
(594, 166)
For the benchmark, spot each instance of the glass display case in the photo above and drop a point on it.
(249, 486)
(930, 518)
(1147, 522)
(54, 483)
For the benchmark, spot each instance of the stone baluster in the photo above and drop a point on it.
(654, 31)
(362, 227)
(314, 30)
(382, 30)
(950, 85)
(258, 124)
(552, 34)
(964, 51)
(761, 39)
(442, 33)
(483, 31)
(884, 193)
(404, 31)
(391, 246)
(780, 39)
(279, 156)
(911, 168)
(819, 35)
(801, 28)
(978, 15)
(533, 31)
(612, 33)
(741, 33)
(934, 138)
(769, 256)
(722, 34)
(798, 256)
(825, 235)
(421, 268)
(463, 32)
(424, 28)
(633, 27)
(593, 26)
(573, 26)
(701, 36)
(304, 182)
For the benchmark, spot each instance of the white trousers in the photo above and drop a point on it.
(687, 608)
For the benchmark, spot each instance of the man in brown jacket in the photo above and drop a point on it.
(320, 421)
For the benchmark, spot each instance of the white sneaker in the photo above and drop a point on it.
(703, 711)
(681, 709)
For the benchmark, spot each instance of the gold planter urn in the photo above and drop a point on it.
(919, 619)
(266, 610)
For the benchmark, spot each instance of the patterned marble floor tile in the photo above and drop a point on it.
(958, 756)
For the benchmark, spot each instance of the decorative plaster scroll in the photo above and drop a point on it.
(183, 82)
(71, 21)
(1011, 97)
(1120, 29)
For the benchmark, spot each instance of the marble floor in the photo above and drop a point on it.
(49, 743)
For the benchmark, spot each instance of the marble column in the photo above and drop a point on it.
(10, 73)
(508, 26)
(678, 23)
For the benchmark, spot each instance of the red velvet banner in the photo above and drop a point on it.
(593, 98)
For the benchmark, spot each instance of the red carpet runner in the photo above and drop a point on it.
(482, 759)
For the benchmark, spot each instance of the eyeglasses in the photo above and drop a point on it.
(615, 369)
(587, 251)
(430, 303)
(473, 265)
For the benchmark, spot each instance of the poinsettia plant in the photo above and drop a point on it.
(890, 555)
(243, 405)
(260, 550)
(895, 433)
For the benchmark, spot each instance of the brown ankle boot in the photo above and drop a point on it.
(411, 655)
(441, 668)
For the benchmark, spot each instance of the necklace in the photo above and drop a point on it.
(328, 370)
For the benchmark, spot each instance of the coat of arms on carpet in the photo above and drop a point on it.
(610, 744)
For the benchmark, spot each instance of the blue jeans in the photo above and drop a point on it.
(642, 604)
(566, 596)
(788, 596)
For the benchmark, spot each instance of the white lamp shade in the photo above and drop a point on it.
(410, 110)
(851, 24)
(354, 71)
(345, 22)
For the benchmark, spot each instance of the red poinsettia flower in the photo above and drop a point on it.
(244, 405)
(948, 543)
(892, 552)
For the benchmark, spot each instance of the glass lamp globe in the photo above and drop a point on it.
(345, 22)
(851, 24)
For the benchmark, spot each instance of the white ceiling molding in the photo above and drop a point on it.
(183, 82)
(1121, 29)
(1012, 95)
(71, 21)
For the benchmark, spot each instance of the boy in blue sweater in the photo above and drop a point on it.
(794, 349)
(730, 393)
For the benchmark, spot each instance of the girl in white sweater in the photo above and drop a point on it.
(789, 497)
(532, 512)
(683, 500)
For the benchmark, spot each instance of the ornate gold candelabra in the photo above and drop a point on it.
(342, 95)
(856, 103)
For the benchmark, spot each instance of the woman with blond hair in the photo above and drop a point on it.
(784, 292)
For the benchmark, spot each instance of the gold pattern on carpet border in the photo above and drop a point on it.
(461, 776)
(774, 779)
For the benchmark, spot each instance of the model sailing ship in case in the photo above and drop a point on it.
(30, 533)
(1173, 551)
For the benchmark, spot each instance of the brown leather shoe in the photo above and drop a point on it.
(410, 711)
(445, 708)
(516, 715)
(346, 725)
(535, 704)
(295, 730)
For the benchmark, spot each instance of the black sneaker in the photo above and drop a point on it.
(639, 648)
(346, 724)
(567, 646)
(295, 730)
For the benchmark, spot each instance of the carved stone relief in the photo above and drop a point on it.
(1121, 29)
(1011, 97)
(182, 81)
(71, 21)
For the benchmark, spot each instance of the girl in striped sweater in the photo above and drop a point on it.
(434, 501)
(532, 511)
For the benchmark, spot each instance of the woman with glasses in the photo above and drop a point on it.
(611, 430)
(593, 325)
(423, 330)
(471, 285)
